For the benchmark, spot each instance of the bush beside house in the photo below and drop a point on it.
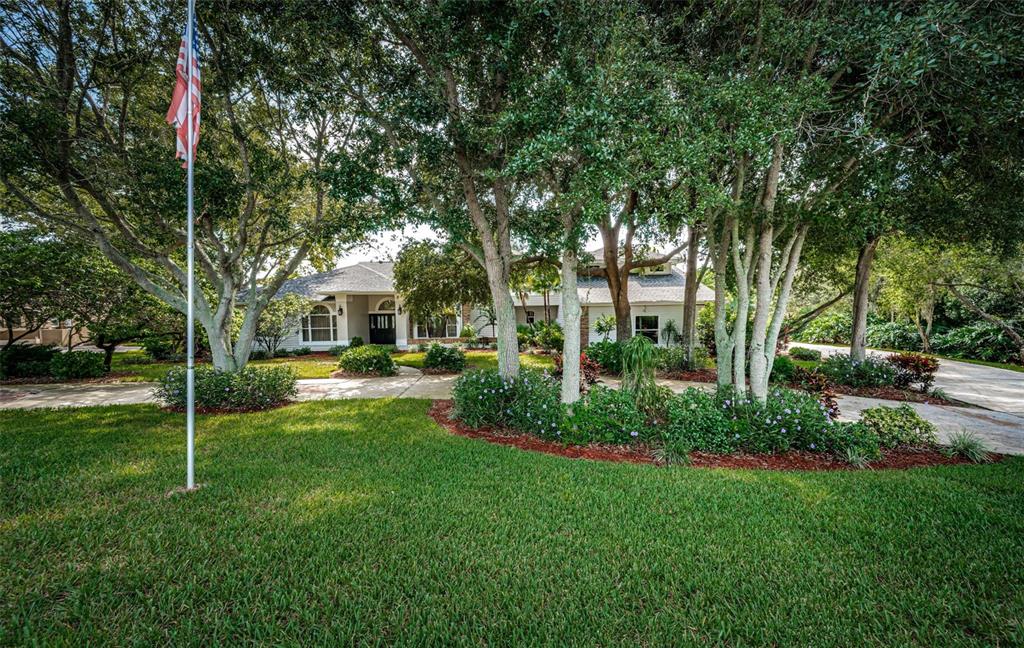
(367, 360)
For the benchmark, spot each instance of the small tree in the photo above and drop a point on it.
(35, 271)
(280, 319)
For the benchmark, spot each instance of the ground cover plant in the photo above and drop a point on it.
(804, 353)
(914, 369)
(899, 426)
(216, 390)
(361, 521)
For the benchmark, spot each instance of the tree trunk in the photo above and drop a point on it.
(571, 328)
(108, 355)
(988, 317)
(858, 338)
(922, 332)
(689, 331)
(723, 340)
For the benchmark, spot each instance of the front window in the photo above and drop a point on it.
(531, 317)
(441, 326)
(647, 325)
(319, 326)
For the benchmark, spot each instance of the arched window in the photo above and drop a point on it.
(320, 325)
(386, 305)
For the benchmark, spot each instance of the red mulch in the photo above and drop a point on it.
(694, 375)
(45, 380)
(640, 454)
(890, 393)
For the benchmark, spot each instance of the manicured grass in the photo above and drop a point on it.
(479, 360)
(343, 522)
(305, 367)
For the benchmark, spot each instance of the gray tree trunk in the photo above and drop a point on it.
(571, 327)
(689, 332)
(861, 293)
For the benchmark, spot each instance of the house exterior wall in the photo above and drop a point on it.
(664, 312)
(357, 313)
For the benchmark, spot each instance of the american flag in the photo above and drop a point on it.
(176, 114)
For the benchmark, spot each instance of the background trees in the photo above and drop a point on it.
(85, 148)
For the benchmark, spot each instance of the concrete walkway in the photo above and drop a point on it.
(1002, 432)
(1001, 390)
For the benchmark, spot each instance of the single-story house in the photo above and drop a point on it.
(360, 300)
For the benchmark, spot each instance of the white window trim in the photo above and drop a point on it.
(306, 328)
(448, 318)
(656, 330)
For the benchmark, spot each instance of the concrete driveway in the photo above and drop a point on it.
(996, 389)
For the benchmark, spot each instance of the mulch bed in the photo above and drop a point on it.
(890, 393)
(112, 377)
(695, 375)
(436, 371)
(897, 459)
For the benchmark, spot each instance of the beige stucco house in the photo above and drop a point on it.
(360, 300)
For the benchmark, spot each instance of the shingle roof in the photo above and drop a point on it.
(379, 278)
(358, 278)
(645, 288)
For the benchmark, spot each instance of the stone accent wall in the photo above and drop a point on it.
(584, 326)
(467, 314)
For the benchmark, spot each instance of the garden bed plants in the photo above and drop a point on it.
(890, 459)
(642, 421)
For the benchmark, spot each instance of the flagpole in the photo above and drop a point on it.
(190, 370)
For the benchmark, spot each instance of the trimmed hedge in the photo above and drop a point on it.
(443, 358)
(216, 390)
(368, 359)
(77, 364)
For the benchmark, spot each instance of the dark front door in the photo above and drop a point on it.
(382, 329)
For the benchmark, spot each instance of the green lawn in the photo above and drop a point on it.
(343, 522)
(479, 360)
(305, 367)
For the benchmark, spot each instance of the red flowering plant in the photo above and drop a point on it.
(589, 370)
(914, 368)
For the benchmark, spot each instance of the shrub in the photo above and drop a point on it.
(259, 354)
(549, 336)
(26, 360)
(790, 420)
(368, 359)
(246, 390)
(673, 453)
(697, 420)
(528, 402)
(674, 359)
(979, 341)
(872, 372)
(468, 332)
(161, 349)
(893, 335)
(337, 349)
(282, 353)
(818, 386)
(833, 327)
(606, 416)
(589, 370)
(604, 326)
(524, 335)
(302, 351)
(77, 364)
(803, 353)
(638, 374)
(968, 445)
(914, 368)
(444, 358)
(706, 328)
(607, 354)
(355, 341)
(782, 370)
(899, 426)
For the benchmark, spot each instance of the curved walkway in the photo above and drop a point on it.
(1001, 390)
(1001, 431)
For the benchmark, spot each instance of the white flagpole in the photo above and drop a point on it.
(190, 370)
